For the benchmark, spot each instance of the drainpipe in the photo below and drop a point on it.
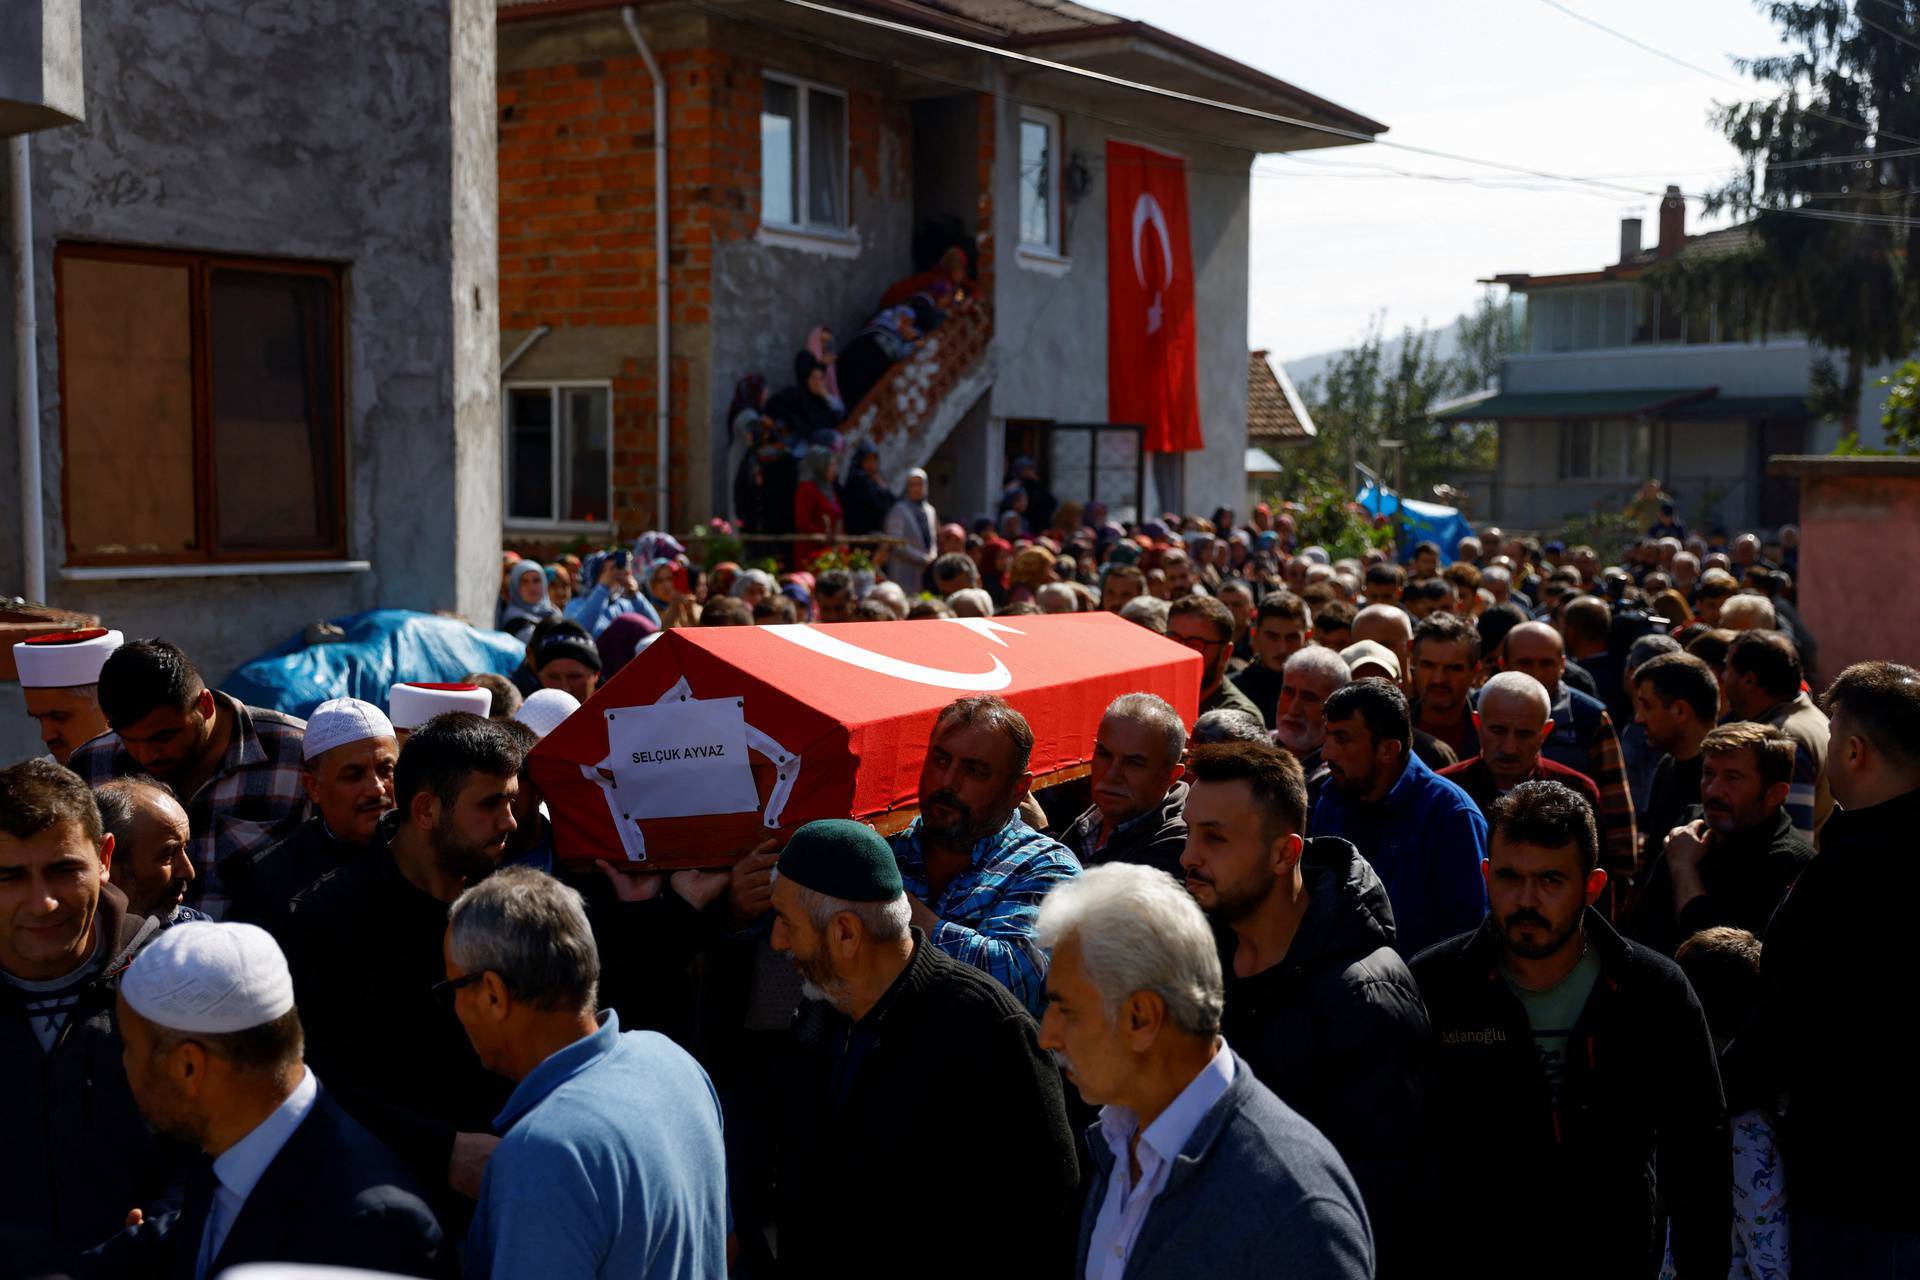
(26, 353)
(662, 331)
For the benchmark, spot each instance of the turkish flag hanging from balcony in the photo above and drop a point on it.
(1150, 326)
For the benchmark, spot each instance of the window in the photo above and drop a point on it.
(1040, 180)
(1616, 450)
(200, 407)
(803, 156)
(1096, 464)
(558, 454)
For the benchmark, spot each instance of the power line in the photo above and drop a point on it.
(1232, 108)
(1886, 31)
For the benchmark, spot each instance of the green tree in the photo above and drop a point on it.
(1834, 240)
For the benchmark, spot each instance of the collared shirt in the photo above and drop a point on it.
(1128, 1201)
(1809, 800)
(1083, 837)
(987, 914)
(254, 799)
(240, 1167)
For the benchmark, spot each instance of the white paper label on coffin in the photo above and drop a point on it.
(680, 760)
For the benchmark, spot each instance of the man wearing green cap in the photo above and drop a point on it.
(898, 1051)
(975, 872)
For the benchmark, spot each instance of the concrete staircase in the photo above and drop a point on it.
(911, 411)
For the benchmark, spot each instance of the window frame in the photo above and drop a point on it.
(1055, 246)
(200, 267)
(553, 387)
(803, 160)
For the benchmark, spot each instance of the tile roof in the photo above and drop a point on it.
(1275, 414)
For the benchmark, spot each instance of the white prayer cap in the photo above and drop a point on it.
(412, 705)
(337, 722)
(1363, 652)
(544, 709)
(63, 659)
(209, 979)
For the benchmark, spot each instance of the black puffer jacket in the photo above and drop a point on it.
(1523, 1185)
(77, 1153)
(1338, 1031)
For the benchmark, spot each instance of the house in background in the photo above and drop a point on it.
(263, 264)
(1611, 384)
(1277, 422)
(812, 161)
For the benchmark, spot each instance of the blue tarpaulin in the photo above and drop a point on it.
(1426, 521)
(382, 648)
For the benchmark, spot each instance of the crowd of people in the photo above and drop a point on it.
(1499, 912)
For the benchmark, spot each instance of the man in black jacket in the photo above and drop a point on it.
(1318, 1002)
(902, 1059)
(1137, 793)
(214, 1057)
(77, 1154)
(364, 943)
(1732, 865)
(1574, 1091)
(1829, 965)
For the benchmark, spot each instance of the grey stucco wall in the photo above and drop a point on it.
(1051, 329)
(348, 133)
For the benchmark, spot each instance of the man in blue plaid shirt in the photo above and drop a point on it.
(974, 871)
(234, 768)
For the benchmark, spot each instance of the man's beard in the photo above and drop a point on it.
(458, 856)
(1235, 901)
(820, 981)
(1555, 939)
(1351, 784)
(1298, 738)
(963, 831)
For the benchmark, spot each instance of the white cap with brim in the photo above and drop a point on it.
(65, 659)
(545, 709)
(209, 979)
(1364, 652)
(341, 721)
(412, 705)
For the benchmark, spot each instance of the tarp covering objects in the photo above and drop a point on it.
(713, 739)
(382, 648)
(1426, 521)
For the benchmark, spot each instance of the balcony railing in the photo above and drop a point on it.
(908, 400)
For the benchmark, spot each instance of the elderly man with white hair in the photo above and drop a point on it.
(1057, 597)
(1748, 611)
(1134, 1000)
(1312, 675)
(1515, 718)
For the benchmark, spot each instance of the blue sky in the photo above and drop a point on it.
(1510, 80)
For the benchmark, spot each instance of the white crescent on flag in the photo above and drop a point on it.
(1147, 212)
(989, 681)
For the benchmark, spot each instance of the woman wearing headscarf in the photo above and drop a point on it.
(820, 347)
(665, 590)
(1033, 567)
(614, 592)
(914, 528)
(527, 602)
(802, 408)
(992, 561)
(863, 497)
(559, 586)
(816, 508)
(620, 641)
(889, 338)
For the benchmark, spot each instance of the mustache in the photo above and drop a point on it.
(1200, 877)
(1060, 1060)
(1527, 916)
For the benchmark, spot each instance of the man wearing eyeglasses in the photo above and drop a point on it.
(1205, 626)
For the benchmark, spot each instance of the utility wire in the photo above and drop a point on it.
(1232, 108)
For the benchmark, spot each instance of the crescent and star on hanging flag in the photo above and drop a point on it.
(1151, 345)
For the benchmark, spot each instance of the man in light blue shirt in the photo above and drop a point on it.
(1198, 1170)
(611, 1161)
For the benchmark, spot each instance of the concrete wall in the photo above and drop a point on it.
(1738, 369)
(1052, 328)
(361, 135)
(1708, 466)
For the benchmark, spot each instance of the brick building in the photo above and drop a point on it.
(813, 159)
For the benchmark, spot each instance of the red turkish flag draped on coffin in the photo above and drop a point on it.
(1151, 358)
(714, 738)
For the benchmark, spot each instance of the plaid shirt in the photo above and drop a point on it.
(987, 914)
(252, 800)
(1583, 740)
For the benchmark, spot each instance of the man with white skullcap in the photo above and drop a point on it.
(214, 1057)
(350, 755)
(60, 676)
(364, 945)
(413, 703)
(77, 1154)
(234, 768)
